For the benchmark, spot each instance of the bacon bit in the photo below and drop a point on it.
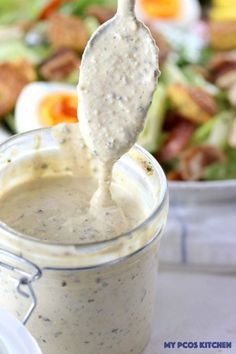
(194, 160)
(223, 69)
(220, 60)
(172, 119)
(176, 142)
(102, 14)
(174, 176)
(203, 99)
(226, 68)
(59, 65)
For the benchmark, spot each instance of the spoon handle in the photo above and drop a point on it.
(126, 7)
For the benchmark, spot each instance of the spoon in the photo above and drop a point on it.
(118, 76)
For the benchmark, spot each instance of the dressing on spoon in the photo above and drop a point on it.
(118, 76)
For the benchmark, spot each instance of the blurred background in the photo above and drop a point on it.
(190, 129)
(191, 125)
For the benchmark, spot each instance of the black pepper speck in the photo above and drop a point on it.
(115, 330)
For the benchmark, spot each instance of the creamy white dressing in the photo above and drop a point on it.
(118, 76)
(58, 209)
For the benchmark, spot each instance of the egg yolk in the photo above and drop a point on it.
(58, 108)
(167, 9)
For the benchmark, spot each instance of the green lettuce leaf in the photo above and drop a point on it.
(79, 7)
(221, 129)
(17, 49)
(12, 11)
(171, 73)
(91, 24)
(197, 80)
(202, 133)
(150, 138)
(225, 170)
(10, 122)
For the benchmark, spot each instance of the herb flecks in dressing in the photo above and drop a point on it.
(118, 76)
(57, 209)
(117, 79)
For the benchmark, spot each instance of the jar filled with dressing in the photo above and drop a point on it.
(91, 288)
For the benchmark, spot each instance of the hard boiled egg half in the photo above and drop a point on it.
(180, 12)
(42, 104)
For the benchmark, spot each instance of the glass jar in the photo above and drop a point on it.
(90, 298)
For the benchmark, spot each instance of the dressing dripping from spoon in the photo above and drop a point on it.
(118, 75)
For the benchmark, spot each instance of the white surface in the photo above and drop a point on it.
(201, 228)
(14, 337)
(201, 234)
(194, 307)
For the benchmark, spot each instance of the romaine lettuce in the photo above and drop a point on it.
(12, 11)
(151, 135)
(225, 170)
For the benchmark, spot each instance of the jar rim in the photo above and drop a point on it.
(68, 246)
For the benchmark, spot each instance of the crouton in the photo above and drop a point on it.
(193, 103)
(223, 35)
(67, 32)
(13, 78)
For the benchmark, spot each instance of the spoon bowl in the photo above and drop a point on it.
(119, 73)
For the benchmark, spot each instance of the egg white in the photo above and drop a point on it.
(27, 106)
